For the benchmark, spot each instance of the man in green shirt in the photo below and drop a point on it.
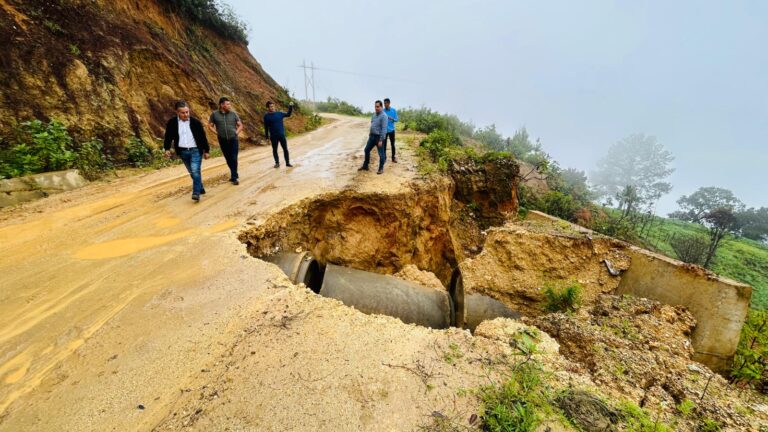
(227, 125)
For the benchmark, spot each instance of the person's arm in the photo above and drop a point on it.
(395, 119)
(168, 141)
(239, 125)
(266, 127)
(203, 144)
(290, 110)
(383, 134)
(211, 124)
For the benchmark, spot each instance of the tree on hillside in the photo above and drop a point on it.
(716, 209)
(694, 207)
(633, 173)
(754, 223)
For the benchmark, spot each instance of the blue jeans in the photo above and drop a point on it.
(230, 148)
(373, 140)
(192, 160)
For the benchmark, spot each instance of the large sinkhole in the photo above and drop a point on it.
(380, 233)
(343, 245)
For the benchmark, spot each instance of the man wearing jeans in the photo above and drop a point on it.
(391, 120)
(376, 137)
(187, 136)
(274, 131)
(227, 125)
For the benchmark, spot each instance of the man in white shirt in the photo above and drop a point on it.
(186, 135)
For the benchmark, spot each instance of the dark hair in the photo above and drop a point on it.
(386, 100)
(223, 99)
(378, 102)
(180, 104)
(269, 103)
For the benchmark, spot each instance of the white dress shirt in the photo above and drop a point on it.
(186, 140)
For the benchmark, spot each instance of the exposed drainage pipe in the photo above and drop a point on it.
(374, 293)
(300, 268)
(480, 308)
(472, 309)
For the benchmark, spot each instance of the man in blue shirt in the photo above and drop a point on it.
(391, 119)
(274, 130)
(376, 137)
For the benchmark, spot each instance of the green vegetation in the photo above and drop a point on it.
(35, 147)
(215, 15)
(750, 365)
(337, 106)
(516, 404)
(637, 420)
(562, 299)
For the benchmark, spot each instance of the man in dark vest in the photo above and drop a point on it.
(274, 130)
(227, 125)
(187, 136)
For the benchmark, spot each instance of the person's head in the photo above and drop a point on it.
(270, 106)
(182, 110)
(378, 106)
(386, 103)
(225, 105)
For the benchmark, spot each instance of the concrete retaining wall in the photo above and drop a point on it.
(720, 305)
(18, 190)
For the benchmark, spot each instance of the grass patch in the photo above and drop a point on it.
(562, 299)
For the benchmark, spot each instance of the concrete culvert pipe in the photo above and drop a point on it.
(374, 293)
(300, 268)
(479, 308)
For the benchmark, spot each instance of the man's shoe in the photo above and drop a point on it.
(277, 165)
(289, 165)
(394, 160)
(202, 192)
(195, 197)
(381, 171)
(363, 169)
(235, 182)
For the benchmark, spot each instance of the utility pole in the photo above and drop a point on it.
(309, 79)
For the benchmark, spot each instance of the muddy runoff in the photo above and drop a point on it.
(374, 252)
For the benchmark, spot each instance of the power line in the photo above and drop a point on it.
(309, 77)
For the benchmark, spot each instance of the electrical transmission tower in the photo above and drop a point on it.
(309, 79)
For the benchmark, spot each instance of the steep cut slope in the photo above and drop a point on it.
(112, 70)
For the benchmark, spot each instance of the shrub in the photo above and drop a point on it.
(139, 153)
(92, 161)
(427, 121)
(750, 364)
(438, 143)
(37, 147)
(334, 105)
(690, 248)
(565, 299)
(214, 15)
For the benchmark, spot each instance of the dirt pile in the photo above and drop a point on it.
(519, 260)
(639, 350)
(112, 70)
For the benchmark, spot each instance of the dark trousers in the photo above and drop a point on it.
(373, 140)
(391, 136)
(192, 159)
(230, 148)
(284, 144)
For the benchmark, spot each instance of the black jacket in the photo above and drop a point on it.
(198, 132)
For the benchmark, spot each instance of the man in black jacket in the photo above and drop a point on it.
(187, 136)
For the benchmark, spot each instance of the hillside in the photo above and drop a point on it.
(112, 70)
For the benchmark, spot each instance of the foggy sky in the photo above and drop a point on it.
(579, 75)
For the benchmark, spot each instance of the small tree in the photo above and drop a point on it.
(716, 209)
(691, 249)
(754, 223)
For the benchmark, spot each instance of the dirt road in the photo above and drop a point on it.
(111, 295)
